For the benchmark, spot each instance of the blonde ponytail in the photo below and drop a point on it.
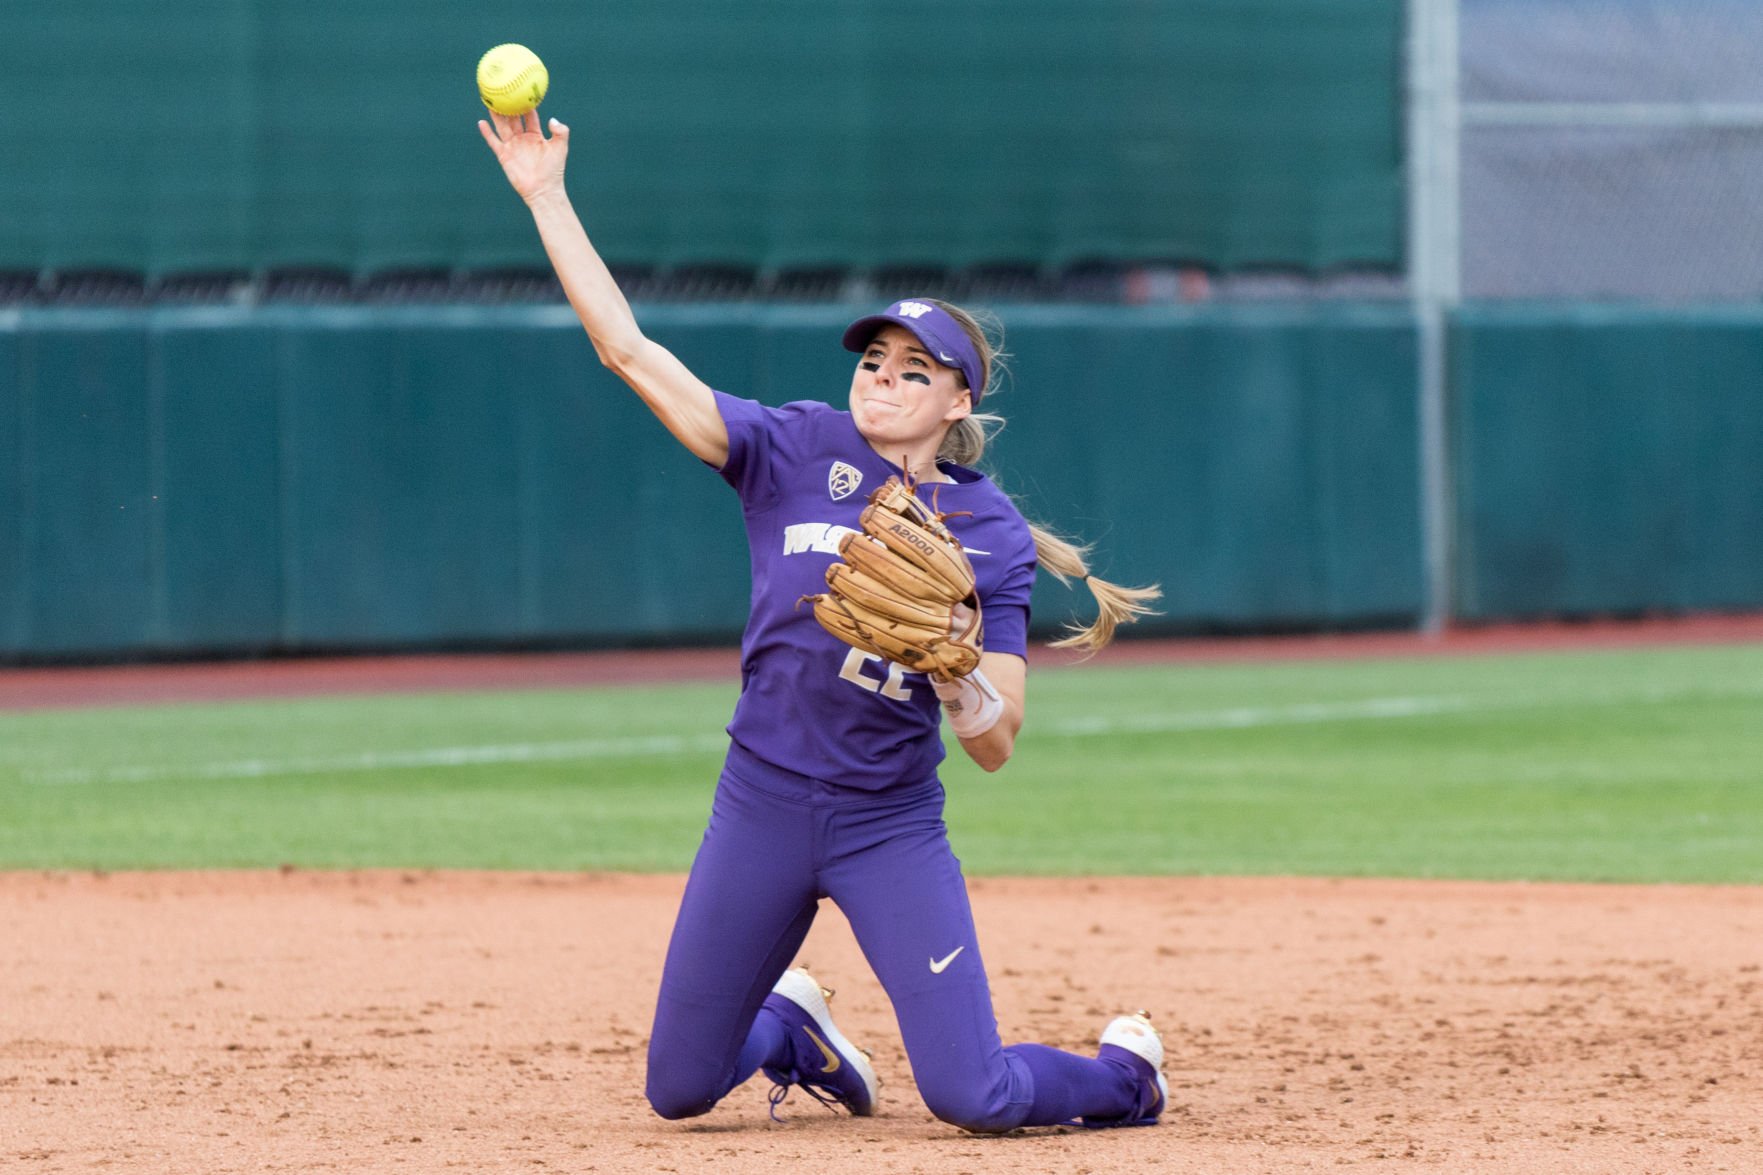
(1115, 605)
(965, 444)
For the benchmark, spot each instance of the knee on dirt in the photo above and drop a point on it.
(674, 1104)
(972, 1111)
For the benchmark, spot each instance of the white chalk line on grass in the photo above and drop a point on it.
(665, 745)
(1243, 717)
(639, 747)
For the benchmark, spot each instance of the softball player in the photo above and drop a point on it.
(830, 786)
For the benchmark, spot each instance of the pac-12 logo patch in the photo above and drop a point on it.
(842, 480)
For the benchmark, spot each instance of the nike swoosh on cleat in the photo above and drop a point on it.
(832, 1058)
(938, 966)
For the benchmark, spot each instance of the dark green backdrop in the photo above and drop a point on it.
(1610, 459)
(245, 134)
(238, 479)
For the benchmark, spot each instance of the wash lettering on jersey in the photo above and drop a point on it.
(822, 537)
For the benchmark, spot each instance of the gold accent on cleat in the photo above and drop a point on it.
(832, 1058)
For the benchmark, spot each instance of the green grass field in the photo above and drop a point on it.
(1606, 766)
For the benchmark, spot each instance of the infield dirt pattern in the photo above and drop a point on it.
(298, 1021)
(266, 1022)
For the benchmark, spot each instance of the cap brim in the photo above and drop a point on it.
(860, 333)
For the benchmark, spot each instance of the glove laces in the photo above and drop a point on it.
(910, 484)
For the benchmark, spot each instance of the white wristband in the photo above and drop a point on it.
(972, 703)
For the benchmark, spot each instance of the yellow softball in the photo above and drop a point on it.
(511, 79)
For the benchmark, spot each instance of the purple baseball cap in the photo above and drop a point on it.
(941, 335)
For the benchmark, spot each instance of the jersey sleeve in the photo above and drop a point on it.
(749, 468)
(763, 442)
(1005, 607)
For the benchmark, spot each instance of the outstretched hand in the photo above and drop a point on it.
(532, 162)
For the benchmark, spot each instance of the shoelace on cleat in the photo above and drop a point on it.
(781, 1090)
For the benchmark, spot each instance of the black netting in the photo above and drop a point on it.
(1096, 282)
(1658, 213)
(1612, 150)
(1612, 50)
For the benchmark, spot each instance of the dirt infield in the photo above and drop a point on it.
(269, 1022)
(266, 1022)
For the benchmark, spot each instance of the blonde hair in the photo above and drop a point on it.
(965, 444)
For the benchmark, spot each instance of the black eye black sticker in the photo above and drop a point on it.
(868, 366)
(918, 377)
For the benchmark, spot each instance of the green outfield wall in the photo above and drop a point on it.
(1608, 459)
(250, 134)
(250, 480)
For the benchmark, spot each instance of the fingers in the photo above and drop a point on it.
(510, 126)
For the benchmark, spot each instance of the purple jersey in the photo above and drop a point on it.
(810, 703)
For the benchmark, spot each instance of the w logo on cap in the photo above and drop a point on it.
(913, 310)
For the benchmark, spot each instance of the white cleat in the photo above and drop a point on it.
(829, 1067)
(1132, 1041)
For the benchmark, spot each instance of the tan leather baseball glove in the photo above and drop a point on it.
(905, 589)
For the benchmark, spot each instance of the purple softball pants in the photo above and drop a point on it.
(778, 843)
